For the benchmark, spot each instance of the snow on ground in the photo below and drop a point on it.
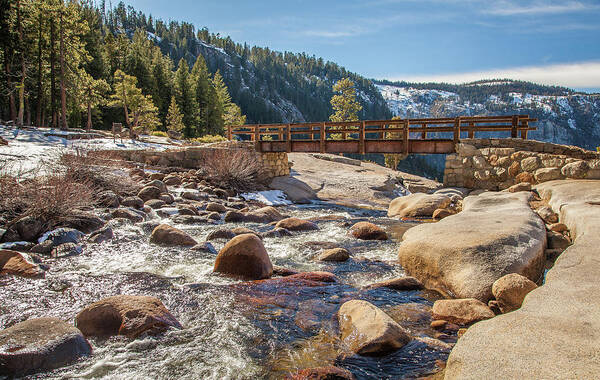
(28, 148)
(269, 198)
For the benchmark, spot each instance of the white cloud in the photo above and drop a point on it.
(508, 8)
(579, 75)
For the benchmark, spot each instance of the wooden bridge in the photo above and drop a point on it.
(402, 136)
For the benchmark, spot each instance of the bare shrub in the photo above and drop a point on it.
(237, 169)
(99, 172)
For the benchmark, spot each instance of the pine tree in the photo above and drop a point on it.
(231, 113)
(205, 96)
(92, 93)
(140, 111)
(183, 88)
(344, 104)
(174, 117)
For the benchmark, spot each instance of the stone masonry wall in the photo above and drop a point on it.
(497, 164)
(193, 157)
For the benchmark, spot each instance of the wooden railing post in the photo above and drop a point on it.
(424, 133)
(321, 137)
(515, 124)
(229, 134)
(361, 138)
(456, 130)
(405, 136)
(471, 130)
(257, 144)
(289, 138)
(524, 131)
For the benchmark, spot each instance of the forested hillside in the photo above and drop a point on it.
(62, 63)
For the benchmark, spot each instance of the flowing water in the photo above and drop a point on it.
(233, 330)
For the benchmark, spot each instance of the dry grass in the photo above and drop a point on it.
(236, 170)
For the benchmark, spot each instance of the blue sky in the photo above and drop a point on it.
(545, 41)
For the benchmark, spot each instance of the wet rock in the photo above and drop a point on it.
(295, 224)
(167, 198)
(461, 311)
(155, 203)
(158, 176)
(23, 246)
(102, 235)
(215, 207)
(43, 248)
(148, 226)
(137, 172)
(66, 250)
(205, 247)
(189, 219)
(61, 236)
(523, 186)
(40, 344)
(547, 214)
(368, 231)
(282, 271)
(367, 330)
(321, 373)
(125, 315)
(108, 199)
(556, 240)
(510, 291)
(234, 217)
(194, 196)
(267, 214)
(294, 189)
(334, 254)
(12, 262)
(171, 236)
(172, 180)
(187, 210)
(82, 221)
(159, 184)
(320, 245)
(127, 213)
(402, 283)
(244, 230)
(276, 233)
(135, 202)
(316, 276)
(245, 257)
(149, 192)
(221, 233)
(214, 216)
(418, 204)
(456, 258)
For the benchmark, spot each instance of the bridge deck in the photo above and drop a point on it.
(403, 136)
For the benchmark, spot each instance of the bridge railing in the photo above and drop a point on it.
(435, 129)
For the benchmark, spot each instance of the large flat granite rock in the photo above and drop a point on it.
(462, 255)
(556, 332)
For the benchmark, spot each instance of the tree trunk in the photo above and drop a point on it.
(89, 116)
(11, 95)
(38, 106)
(53, 108)
(133, 126)
(23, 69)
(63, 91)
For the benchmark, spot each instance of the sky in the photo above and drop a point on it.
(456, 41)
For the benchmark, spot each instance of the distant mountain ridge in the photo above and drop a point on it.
(564, 116)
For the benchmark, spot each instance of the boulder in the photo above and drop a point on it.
(167, 198)
(40, 344)
(402, 283)
(462, 255)
(159, 184)
(135, 202)
(441, 213)
(558, 227)
(171, 236)
(321, 373)
(29, 228)
(368, 231)
(214, 216)
(83, 221)
(245, 257)
(108, 199)
(172, 180)
(418, 204)
(66, 250)
(524, 177)
(510, 291)
(216, 207)
(556, 240)
(128, 213)
(149, 192)
(334, 254)
(294, 189)
(547, 174)
(461, 311)
(205, 247)
(220, 233)
(12, 262)
(125, 315)
(234, 217)
(194, 195)
(530, 164)
(155, 203)
(266, 214)
(276, 233)
(61, 236)
(101, 235)
(189, 219)
(367, 330)
(295, 224)
(577, 169)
